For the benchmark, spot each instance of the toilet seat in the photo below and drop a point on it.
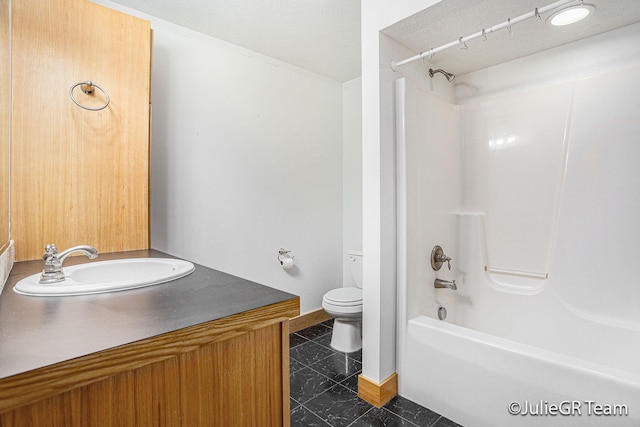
(345, 306)
(344, 297)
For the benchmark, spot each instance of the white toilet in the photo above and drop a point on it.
(345, 306)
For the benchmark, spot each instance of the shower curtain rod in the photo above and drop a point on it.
(506, 24)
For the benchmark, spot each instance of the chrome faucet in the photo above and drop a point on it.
(445, 284)
(53, 260)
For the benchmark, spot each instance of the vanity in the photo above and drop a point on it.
(208, 349)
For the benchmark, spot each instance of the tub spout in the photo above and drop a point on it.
(445, 284)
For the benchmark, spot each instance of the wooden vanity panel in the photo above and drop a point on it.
(236, 382)
(79, 176)
(229, 372)
(147, 396)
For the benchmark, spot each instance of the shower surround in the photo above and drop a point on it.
(529, 182)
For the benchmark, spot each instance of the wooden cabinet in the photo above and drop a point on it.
(229, 372)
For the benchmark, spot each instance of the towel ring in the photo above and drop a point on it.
(88, 88)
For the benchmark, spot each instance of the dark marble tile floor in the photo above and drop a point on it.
(324, 389)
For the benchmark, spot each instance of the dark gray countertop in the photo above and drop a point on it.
(40, 331)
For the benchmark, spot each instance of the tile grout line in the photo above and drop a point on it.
(341, 383)
(401, 417)
(317, 416)
(356, 420)
(325, 376)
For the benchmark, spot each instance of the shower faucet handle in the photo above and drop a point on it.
(447, 259)
(438, 258)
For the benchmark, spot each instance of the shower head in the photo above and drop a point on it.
(449, 76)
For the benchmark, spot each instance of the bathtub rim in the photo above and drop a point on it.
(515, 348)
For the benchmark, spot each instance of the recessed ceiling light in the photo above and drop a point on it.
(570, 15)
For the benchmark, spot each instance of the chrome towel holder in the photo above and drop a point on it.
(88, 88)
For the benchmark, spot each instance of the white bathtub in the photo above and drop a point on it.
(559, 348)
(476, 379)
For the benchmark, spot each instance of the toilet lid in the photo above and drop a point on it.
(344, 296)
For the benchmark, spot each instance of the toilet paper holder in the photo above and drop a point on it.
(284, 257)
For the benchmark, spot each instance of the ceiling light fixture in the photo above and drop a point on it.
(570, 15)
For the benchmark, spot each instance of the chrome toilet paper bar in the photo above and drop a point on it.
(285, 260)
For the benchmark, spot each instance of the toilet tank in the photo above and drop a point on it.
(355, 258)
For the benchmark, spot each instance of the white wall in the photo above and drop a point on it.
(351, 174)
(222, 252)
(433, 191)
(379, 294)
(246, 159)
(377, 174)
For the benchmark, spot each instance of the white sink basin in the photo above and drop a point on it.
(108, 276)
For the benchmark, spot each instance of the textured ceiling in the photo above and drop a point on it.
(322, 36)
(449, 20)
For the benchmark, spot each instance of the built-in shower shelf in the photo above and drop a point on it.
(517, 273)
